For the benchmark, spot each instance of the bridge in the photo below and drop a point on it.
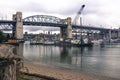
(66, 26)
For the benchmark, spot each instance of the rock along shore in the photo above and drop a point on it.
(10, 63)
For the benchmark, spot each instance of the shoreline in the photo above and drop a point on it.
(50, 71)
(58, 73)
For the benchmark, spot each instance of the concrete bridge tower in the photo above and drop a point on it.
(18, 30)
(69, 28)
(66, 33)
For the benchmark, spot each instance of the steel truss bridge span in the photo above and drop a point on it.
(35, 20)
(7, 25)
(45, 20)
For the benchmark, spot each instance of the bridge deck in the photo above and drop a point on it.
(8, 22)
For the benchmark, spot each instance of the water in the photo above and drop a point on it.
(102, 59)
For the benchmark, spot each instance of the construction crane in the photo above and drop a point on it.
(79, 14)
(77, 18)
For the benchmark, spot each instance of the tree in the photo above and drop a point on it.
(2, 37)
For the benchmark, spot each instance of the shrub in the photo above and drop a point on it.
(2, 37)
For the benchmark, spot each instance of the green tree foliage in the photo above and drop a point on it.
(2, 37)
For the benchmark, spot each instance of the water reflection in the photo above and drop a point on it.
(103, 59)
(66, 55)
(18, 50)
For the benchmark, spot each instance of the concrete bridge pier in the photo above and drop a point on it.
(114, 35)
(106, 35)
(92, 36)
(62, 33)
(119, 34)
(102, 35)
(110, 36)
(96, 36)
(18, 31)
(66, 33)
(69, 28)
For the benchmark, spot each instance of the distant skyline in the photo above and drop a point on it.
(101, 13)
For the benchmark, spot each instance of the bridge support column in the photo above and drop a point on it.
(92, 36)
(69, 28)
(107, 35)
(110, 36)
(98, 35)
(62, 33)
(19, 25)
(116, 34)
(119, 33)
(66, 33)
(102, 35)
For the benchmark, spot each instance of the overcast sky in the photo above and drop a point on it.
(104, 13)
